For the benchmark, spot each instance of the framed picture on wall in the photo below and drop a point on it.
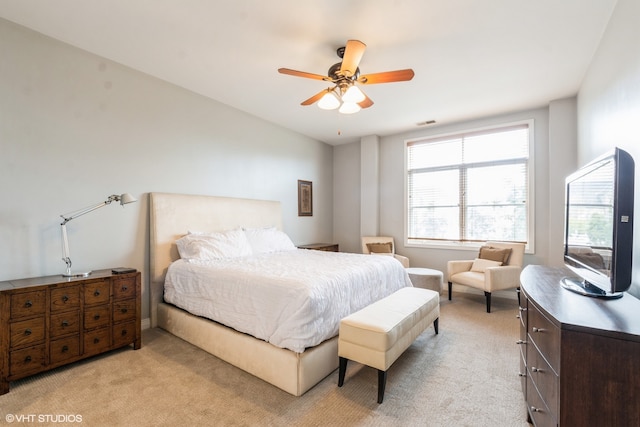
(305, 198)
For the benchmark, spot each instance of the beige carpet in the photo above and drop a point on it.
(465, 376)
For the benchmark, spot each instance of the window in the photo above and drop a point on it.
(470, 187)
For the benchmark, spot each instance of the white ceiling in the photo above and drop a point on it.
(472, 58)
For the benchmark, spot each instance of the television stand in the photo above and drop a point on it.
(585, 288)
(579, 356)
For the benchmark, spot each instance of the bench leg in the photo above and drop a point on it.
(382, 381)
(435, 325)
(342, 370)
(488, 296)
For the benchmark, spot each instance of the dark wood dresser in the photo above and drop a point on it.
(580, 356)
(46, 322)
(328, 247)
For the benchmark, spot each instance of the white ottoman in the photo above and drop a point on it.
(426, 278)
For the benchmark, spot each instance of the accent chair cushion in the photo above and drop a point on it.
(480, 265)
(495, 254)
(380, 248)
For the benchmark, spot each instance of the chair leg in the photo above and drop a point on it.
(488, 295)
(435, 325)
(450, 286)
(382, 381)
(342, 370)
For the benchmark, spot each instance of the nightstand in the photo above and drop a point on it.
(50, 321)
(328, 247)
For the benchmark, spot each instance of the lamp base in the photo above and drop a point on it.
(82, 274)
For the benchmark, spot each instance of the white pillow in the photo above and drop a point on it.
(266, 240)
(218, 245)
(480, 265)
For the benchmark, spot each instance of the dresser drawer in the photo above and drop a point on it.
(64, 323)
(124, 310)
(544, 378)
(97, 292)
(63, 349)
(96, 341)
(96, 317)
(27, 304)
(66, 298)
(124, 333)
(124, 288)
(546, 337)
(540, 414)
(27, 332)
(26, 360)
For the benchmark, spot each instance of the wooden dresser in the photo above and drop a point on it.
(46, 322)
(328, 247)
(580, 356)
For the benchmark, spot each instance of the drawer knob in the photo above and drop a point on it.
(96, 340)
(96, 317)
(96, 293)
(65, 323)
(124, 332)
(27, 359)
(65, 348)
(538, 329)
(124, 310)
(28, 304)
(520, 374)
(519, 342)
(124, 288)
(534, 409)
(65, 298)
(27, 331)
(534, 369)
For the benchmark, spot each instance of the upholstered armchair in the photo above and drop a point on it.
(380, 245)
(497, 267)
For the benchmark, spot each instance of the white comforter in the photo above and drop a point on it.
(293, 299)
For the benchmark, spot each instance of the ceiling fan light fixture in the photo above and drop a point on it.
(329, 101)
(349, 108)
(353, 94)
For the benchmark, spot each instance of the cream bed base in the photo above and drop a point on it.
(171, 216)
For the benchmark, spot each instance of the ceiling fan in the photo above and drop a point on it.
(344, 75)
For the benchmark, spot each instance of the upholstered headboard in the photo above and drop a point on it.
(171, 216)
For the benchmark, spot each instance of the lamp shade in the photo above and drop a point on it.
(329, 101)
(349, 108)
(353, 94)
(127, 198)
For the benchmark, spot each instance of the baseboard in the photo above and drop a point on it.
(145, 323)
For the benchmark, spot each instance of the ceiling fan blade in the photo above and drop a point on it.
(387, 77)
(302, 74)
(352, 55)
(366, 103)
(315, 97)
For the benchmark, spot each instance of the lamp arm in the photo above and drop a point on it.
(73, 215)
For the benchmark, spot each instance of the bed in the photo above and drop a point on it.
(172, 216)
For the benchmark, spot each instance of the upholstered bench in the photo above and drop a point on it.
(379, 333)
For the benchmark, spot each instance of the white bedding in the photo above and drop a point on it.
(293, 299)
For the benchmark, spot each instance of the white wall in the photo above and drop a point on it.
(609, 102)
(75, 128)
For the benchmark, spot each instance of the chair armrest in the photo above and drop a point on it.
(403, 260)
(503, 277)
(455, 267)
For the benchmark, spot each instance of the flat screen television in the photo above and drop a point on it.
(598, 239)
